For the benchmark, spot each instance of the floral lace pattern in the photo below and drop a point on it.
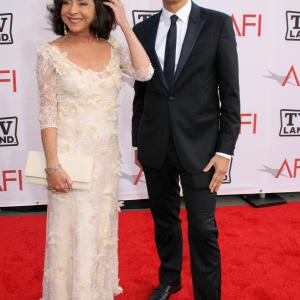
(81, 261)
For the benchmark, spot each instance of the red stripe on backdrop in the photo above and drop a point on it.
(260, 254)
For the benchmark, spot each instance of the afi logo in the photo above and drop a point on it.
(6, 29)
(291, 74)
(293, 26)
(291, 168)
(248, 20)
(290, 122)
(11, 176)
(142, 15)
(9, 77)
(8, 132)
(250, 120)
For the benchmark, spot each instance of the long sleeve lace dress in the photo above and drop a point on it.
(81, 261)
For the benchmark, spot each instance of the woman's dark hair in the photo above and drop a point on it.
(101, 27)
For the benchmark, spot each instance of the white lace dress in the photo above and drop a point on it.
(81, 260)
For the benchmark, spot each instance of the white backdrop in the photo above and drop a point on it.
(267, 157)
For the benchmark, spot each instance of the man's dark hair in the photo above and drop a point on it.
(101, 27)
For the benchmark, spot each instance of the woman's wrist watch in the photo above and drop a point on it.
(54, 169)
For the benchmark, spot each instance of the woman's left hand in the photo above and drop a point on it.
(118, 9)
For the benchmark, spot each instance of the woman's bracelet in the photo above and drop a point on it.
(54, 169)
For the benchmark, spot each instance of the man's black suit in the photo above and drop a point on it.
(177, 130)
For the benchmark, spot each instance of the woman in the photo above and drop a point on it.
(79, 77)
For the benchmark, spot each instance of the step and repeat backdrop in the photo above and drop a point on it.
(267, 157)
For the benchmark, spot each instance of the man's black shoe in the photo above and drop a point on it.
(163, 292)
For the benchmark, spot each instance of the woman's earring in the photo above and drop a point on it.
(97, 38)
(65, 30)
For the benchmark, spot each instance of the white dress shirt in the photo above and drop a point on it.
(163, 27)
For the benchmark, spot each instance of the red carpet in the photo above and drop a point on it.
(260, 255)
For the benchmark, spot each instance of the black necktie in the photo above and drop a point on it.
(170, 53)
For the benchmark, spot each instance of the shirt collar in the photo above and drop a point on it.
(183, 13)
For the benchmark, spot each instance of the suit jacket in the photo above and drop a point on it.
(202, 108)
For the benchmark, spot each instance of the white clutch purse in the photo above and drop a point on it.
(78, 167)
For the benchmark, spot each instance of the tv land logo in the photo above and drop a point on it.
(249, 120)
(243, 23)
(227, 178)
(290, 123)
(8, 132)
(9, 77)
(293, 26)
(6, 21)
(142, 15)
(11, 179)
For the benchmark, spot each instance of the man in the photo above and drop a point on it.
(185, 125)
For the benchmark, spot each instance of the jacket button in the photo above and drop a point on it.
(171, 98)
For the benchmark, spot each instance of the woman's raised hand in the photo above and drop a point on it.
(118, 9)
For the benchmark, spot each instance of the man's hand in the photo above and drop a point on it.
(136, 160)
(221, 165)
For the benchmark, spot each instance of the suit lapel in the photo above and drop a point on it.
(155, 60)
(194, 27)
